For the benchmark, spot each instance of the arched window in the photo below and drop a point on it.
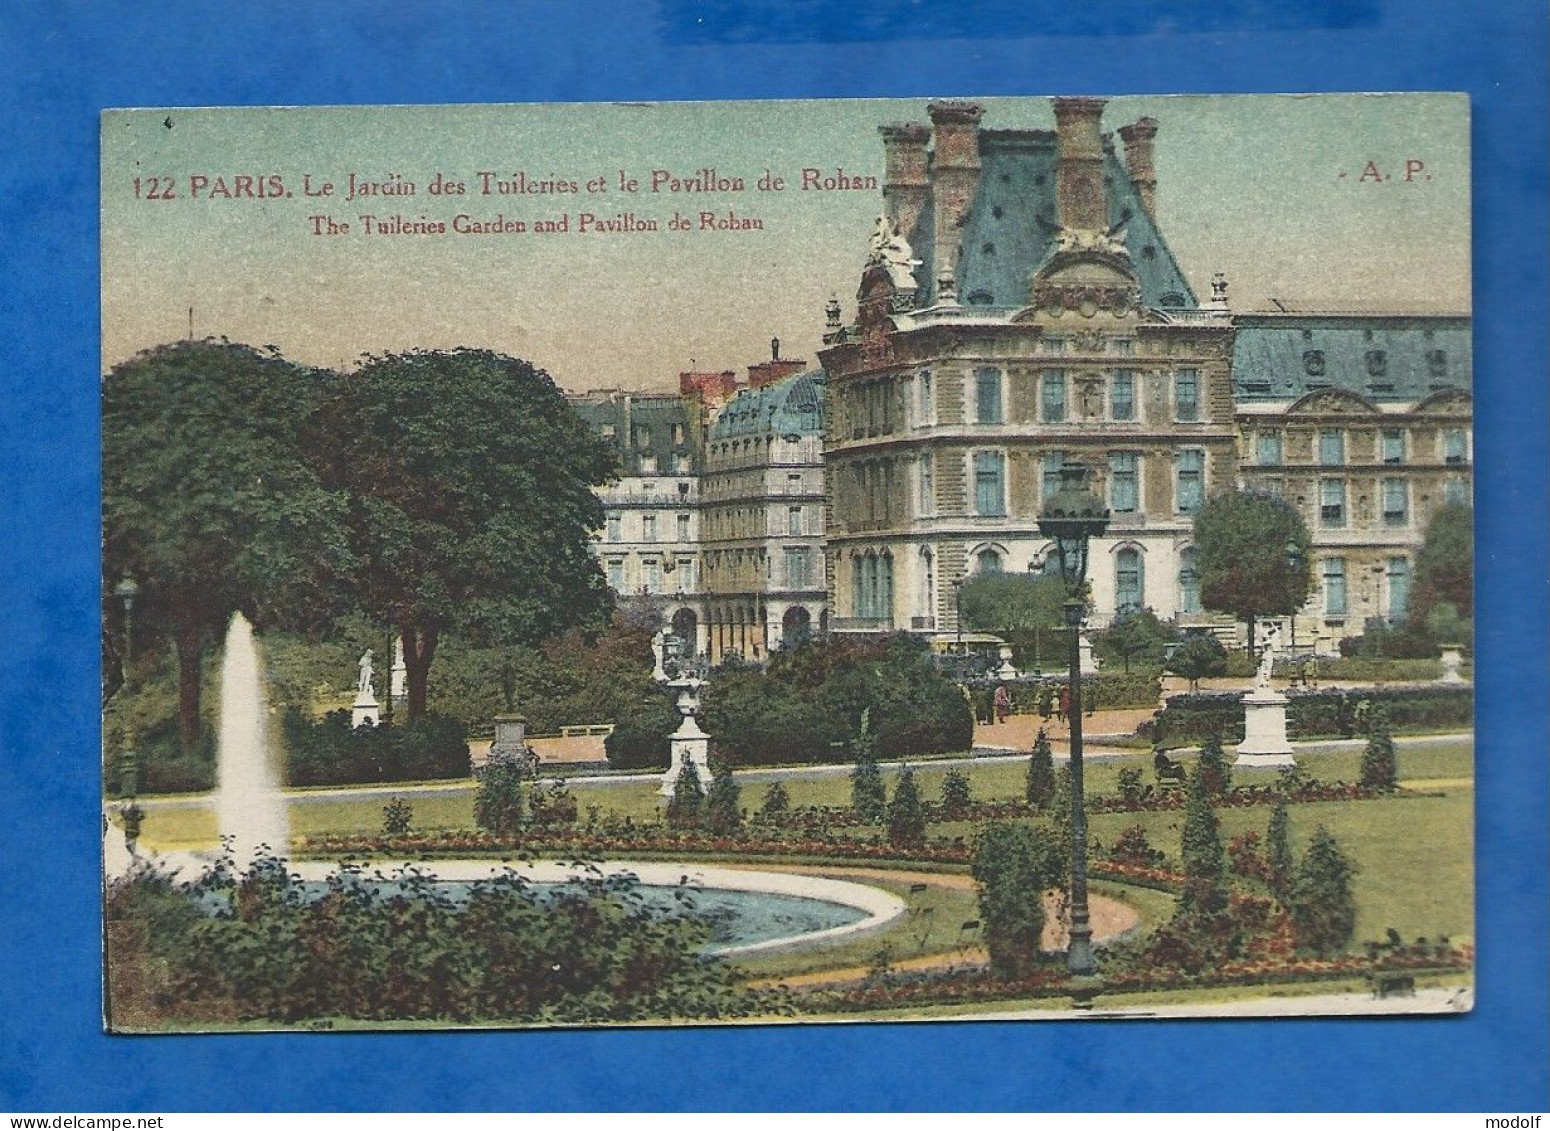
(987, 562)
(1189, 581)
(1127, 582)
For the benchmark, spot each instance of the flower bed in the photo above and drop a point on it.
(968, 984)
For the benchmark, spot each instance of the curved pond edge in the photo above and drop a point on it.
(880, 908)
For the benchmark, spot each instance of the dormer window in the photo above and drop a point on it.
(1377, 363)
(1437, 362)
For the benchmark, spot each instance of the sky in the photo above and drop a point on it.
(1281, 193)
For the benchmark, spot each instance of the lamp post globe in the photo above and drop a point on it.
(1072, 517)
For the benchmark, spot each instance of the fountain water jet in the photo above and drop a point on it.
(248, 806)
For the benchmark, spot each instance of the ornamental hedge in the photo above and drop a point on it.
(331, 752)
(1188, 720)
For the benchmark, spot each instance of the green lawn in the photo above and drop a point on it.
(1415, 853)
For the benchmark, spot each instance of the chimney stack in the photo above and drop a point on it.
(1079, 177)
(1138, 138)
(955, 177)
(905, 180)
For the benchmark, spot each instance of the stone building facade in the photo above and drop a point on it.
(763, 514)
(650, 542)
(1363, 422)
(1020, 309)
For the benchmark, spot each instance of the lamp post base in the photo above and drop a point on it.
(1083, 988)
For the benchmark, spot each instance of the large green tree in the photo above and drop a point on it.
(471, 503)
(207, 500)
(1245, 571)
(1009, 602)
(1445, 567)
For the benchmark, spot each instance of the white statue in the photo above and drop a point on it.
(363, 684)
(659, 655)
(1267, 658)
(893, 251)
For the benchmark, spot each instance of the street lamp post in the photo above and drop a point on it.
(1072, 517)
(128, 767)
(1293, 567)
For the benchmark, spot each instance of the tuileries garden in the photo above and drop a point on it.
(382, 749)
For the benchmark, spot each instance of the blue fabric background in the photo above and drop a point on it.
(61, 63)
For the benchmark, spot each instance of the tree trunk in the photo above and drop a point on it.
(190, 647)
(419, 650)
(1251, 622)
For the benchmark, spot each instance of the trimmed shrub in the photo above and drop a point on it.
(1204, 862)
(1278, 851)
(956, 794)
(498, 802)
(906, 813)
(722, 814)
(868, 795)
(553, 805)
(1014, 864)
(1322, 906)
(1379, 769)
(397, 817)
(684, 808)
(776, 800)
(1041, 773)
(1212, 767)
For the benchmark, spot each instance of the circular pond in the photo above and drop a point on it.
(750, 912)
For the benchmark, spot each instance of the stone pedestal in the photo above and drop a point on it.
(1452, 660)
(398, 680)
(1264, 744)
(689, 745)
(510, 737)
(1087, 663)
(364, 710)
(1006, 671)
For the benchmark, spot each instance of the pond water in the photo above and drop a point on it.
(738, 918)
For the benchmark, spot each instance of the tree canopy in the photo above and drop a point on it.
(207, 501)
(1007, 602)
(1242, 541)
(471, 507)
(1445, 564)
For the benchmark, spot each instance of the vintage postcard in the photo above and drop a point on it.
(786, 562)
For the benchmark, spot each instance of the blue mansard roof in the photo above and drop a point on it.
(1384, 357)
(1014, 220)
(789, 407)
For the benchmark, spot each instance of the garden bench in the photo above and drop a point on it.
(1170, 774)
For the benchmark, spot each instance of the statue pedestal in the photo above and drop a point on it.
(1264, 745)
(690, 746)
(1006, 671)
(1452, 661)
(1087, 663)
(364, 710)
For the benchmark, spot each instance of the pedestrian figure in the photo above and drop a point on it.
(1003, 703)
(1046, 702)
(988, 706)
(1064, 710)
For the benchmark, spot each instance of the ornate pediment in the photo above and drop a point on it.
(1337, 402)
(1447, 400)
